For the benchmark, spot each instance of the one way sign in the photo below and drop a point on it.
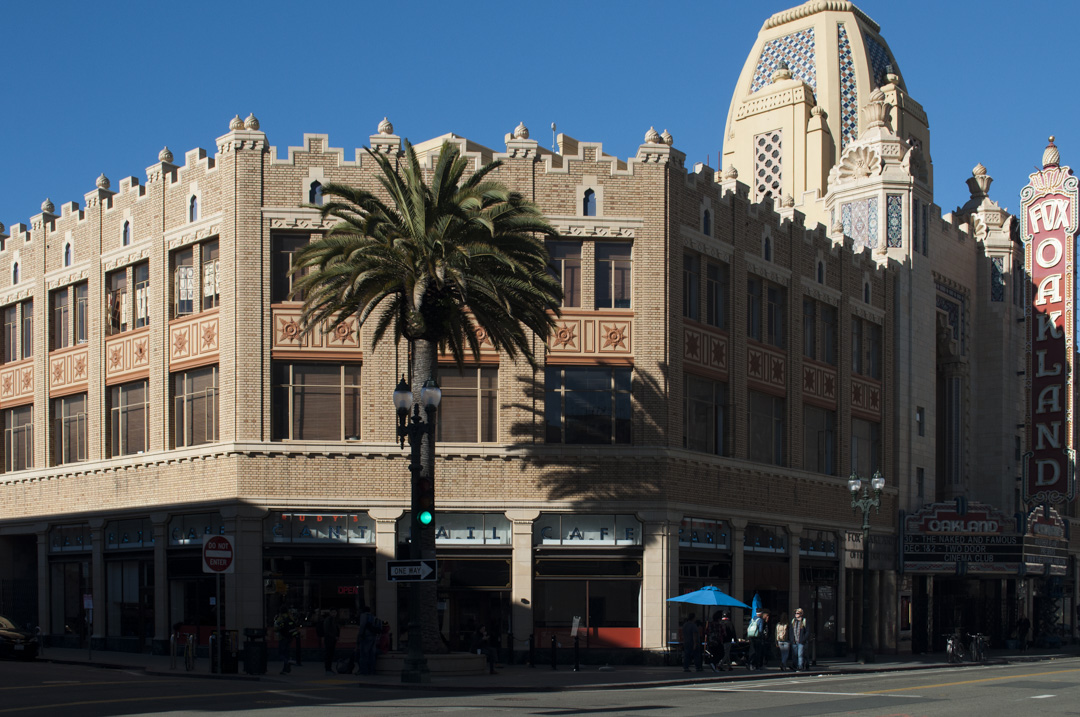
(411, 571)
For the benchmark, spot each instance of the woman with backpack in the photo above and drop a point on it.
(756, 632)
(783, 642)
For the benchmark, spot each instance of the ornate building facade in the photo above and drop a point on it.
(728, 352)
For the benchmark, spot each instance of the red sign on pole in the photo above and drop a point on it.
(1048, 217)
(218, 554)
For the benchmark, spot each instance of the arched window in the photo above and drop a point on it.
(67, 255)
(15, 273)
(315, 194)
(866, 292)
(706, 223)
(126, 237)
(193, 209)
(588, 203)
(767, 249)
(821, 272)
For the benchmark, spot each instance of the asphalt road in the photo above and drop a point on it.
(1044, 688)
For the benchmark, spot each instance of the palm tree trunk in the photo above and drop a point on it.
(424, 366)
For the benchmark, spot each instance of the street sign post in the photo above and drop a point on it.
(218, 554)
(411, 571)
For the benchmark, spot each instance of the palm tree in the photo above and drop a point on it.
(434, 265)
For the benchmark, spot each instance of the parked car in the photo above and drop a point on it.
(16, 642)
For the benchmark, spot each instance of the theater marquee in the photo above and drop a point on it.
(1048, 217)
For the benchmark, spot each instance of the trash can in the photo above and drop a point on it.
(230, 653)
(255, 651)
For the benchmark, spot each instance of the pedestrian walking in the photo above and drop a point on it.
(783, 642)
(691, 642)
(756, 632)
(1022, 627)
(368, 629)
(800, 637)
(283, 628)
(331, 630)
(727, 638)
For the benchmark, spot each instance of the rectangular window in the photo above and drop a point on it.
(809, 312)
(19, 438)
(753, 308)
(26, 341)
(316, 402)
(565, 263)
(865, 348)
(196, 406)
(281, 281)
(691, 286)
(920, 483)
(60, 331)
(873, 350)
(829, 333)
(613, 263)
(920, 420)
(819, 440)
(469, 409)
(777, 304)
(129, 416)
(116, 301)
(141, 274)
(82, 318)
(210, 276)
(716, 295)
(705, 415)
(765, 323)
(11, 333)
(856, 345)
(865, 447)
(588, 404)
(69, 432)
(183, 283)
(767, 429)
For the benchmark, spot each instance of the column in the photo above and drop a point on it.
(98, 629)
(521, 576)
(386, 603)
(738, 532)
(162, 627)
(243, 588)
(841, 595)
(794, 534)
(660, 576)
(44, 609)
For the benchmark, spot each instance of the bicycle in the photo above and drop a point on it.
(978, 648)
(189, 652)
(954, 648)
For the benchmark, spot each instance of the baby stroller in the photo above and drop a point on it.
(740, 653)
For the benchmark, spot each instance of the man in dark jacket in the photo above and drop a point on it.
(727, 637)
(691, 642)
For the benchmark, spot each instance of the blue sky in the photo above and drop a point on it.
(103, 88)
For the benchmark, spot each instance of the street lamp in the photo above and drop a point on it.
(865, 503)
(411, 426)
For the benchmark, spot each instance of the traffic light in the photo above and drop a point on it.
(424, 502)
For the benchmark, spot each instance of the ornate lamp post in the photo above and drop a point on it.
(416, 428)
(865, 503)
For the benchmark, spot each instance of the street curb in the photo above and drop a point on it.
(711, 679)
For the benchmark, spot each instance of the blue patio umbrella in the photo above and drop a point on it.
(757, 605)
(709, 595)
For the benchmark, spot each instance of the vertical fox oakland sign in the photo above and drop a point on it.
(1048, 215)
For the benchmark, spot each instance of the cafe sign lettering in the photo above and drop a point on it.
(1048, 218)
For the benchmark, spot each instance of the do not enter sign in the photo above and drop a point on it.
(218, 554)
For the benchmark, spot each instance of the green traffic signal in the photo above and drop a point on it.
(425, 517)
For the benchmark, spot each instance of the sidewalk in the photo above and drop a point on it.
(522, 678)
